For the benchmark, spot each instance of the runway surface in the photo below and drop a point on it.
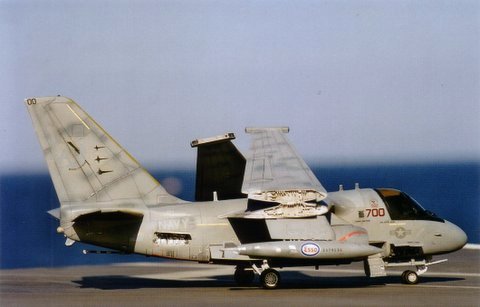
(455, 283)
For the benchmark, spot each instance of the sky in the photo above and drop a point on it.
(356, 81)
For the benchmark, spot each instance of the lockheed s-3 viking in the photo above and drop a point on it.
(258, 213)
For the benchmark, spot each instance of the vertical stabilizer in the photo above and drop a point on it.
(85, 162)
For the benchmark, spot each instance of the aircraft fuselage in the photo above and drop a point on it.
(201, 232)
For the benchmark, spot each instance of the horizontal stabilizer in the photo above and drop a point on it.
(55, 213)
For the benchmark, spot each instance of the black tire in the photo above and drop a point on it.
(270, 279)
(410, 277)
(366, 268)
(243, 277)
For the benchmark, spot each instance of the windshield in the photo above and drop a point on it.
(400, 206)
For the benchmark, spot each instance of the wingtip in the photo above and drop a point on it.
(249, 130)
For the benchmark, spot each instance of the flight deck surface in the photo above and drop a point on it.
(454, 283)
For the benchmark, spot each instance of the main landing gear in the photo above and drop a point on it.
(269, 278)
(243, 276)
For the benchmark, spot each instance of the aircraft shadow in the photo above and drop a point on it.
(290, 280)
(120, 282)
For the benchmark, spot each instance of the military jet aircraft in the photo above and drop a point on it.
(263, 212)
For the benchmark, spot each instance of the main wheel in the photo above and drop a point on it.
(270, 279)
(243, 277)
(410, 277)
(366, 268)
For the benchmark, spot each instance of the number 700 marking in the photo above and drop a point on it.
(375, 212)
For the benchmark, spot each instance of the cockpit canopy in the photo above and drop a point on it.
(400, 206)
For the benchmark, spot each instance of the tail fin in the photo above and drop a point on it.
(85, 162)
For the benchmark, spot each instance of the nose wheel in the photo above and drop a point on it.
(413, 277)
(410, 277)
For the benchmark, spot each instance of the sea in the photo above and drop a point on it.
(28, 235)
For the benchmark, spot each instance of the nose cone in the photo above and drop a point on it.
(455, 237)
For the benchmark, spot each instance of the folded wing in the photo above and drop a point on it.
(276, 173)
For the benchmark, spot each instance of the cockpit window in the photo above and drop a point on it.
(400, 206)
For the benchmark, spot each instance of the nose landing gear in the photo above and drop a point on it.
(410, 277)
